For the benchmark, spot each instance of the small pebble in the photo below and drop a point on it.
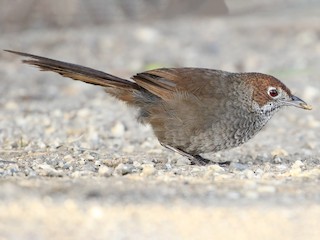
(77, 174)
(215, 168)
(47, 170)
(87, 156)
(297, 164)
(279, 152)
(262, 158)
(277, 159)
(282, 167)
(259, 172)
(41, 145)
(105, 171)
(238, 166)
(89, 167)
(249, 173)
(123, 169)
(296, 170)
(68, 158)
(148, 170)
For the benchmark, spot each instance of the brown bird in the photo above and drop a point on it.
(191, 110)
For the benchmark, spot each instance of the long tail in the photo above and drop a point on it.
(77, 72)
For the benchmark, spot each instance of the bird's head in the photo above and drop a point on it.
(270, 94)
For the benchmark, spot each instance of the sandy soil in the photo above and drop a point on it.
(74, 164)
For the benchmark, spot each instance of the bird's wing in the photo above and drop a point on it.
(164, 82)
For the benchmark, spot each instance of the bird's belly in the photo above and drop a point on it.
(224, 136)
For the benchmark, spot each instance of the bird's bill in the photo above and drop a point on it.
(297, 102)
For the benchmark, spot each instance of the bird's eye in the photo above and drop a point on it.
(273, 92)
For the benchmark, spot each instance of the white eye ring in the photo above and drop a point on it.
(273, 92)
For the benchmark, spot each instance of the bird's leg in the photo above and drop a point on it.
(195, 159)
(198, 160)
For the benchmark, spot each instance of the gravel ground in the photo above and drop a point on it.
(74, 164)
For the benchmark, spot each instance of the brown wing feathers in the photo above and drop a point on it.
(155, 84)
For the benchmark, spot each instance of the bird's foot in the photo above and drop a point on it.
(196, 159)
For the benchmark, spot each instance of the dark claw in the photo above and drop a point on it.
(198, 160)
(224, 164)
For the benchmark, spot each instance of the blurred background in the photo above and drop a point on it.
(211, 29)
(19, 15)
(74, 164)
